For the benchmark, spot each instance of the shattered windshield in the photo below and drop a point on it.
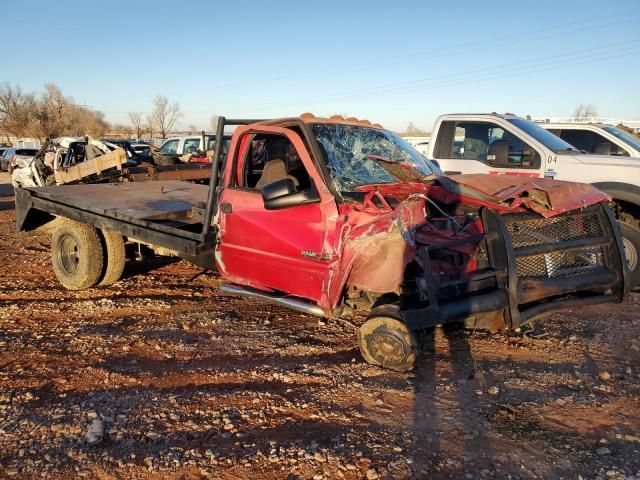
(358, 155)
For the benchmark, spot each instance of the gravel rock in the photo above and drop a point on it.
(95, 432)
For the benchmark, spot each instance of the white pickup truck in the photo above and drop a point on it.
(511, 145)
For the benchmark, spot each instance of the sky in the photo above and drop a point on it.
(388, 61)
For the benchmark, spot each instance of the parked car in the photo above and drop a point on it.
(342, 216)
(2, 150)
(511, 145)
(598, 138)
(189, 144)
(16, 157)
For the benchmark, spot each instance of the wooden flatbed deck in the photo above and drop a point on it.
(162, 200)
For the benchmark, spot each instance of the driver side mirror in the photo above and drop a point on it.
(498, 154)
(282, 194)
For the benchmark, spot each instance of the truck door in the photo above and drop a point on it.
(484, 147)
(288, 249)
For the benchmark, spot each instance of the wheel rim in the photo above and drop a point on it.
(387, 348)
(631, 253)
(68, 254)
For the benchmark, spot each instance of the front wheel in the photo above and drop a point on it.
(631, 243)
(386, 341)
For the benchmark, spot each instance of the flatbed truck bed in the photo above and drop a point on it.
(167, 214)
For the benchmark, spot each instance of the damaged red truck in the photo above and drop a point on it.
(331, 216)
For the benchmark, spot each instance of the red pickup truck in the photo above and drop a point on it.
(334, 216)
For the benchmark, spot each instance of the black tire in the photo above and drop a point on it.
(115, 257)
(631, 241)
(76, 255)
(384, 340)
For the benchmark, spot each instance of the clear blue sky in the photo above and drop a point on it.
(389, 61)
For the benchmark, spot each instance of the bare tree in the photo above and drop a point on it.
(413, 131)
(16, 111)
(584, 111)
(192, 129)
(136, 120)
(164, 115)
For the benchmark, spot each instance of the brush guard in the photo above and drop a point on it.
(536, 265)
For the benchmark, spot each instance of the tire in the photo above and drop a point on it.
(115, 256)
(384, 340)
(631, 242)
(76, 255)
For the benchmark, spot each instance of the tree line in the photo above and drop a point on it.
(51, 114)
(48, 114)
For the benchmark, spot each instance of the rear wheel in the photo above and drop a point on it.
(76, 255)
(115, 257)
(631, 243)
(386, 341)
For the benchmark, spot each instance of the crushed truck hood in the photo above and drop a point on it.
(505, 193)
(542, 195)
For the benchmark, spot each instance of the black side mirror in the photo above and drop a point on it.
(282, 194)
(498, 154)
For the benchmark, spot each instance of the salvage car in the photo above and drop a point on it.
(67, 160)
(343, 217)
(16, 157)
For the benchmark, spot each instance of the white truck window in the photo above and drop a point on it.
(478, 140)
(191, 144)
(591, 142)
(170, 147)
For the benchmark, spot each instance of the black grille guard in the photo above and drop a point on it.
(539, 265)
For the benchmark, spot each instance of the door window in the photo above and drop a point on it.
(191, 145)
(270, 158)
(170, 147)
(591, 142)
(481, 141)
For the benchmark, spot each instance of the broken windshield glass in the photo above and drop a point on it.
(357, 155)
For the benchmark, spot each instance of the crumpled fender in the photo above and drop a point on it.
(376, 247)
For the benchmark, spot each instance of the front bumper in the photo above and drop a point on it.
(536, 266)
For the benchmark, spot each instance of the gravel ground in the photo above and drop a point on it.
(162, 376)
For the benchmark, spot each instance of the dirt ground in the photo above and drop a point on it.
(189, 383)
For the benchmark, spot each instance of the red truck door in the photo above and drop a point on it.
(289, 249)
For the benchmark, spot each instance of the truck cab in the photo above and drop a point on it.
(597, 138)
(505, 144)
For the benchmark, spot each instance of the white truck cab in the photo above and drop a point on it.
(510, 145)
(598, 138)
(188, 144)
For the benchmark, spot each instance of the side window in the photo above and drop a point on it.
(270, 158)
(488, 143)
(592, 142)
(581, 139)
(191, 144)
(169, 147)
